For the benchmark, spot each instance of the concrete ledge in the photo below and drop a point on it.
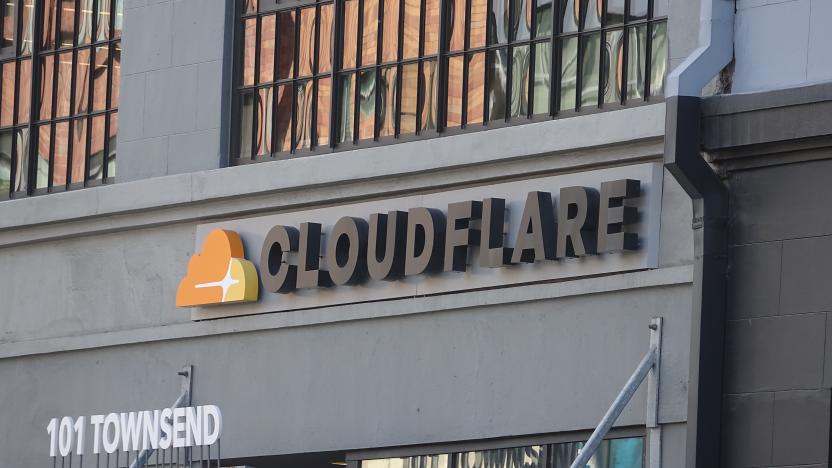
(345, 313)
(734, 124)
(478, 148)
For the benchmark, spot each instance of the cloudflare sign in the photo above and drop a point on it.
(489, 236)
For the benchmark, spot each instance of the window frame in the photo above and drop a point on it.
(38, 57)
(554, 38)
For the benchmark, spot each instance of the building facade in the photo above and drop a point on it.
(414, 233)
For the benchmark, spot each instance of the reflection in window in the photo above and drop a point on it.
(72, 115)
(424, 461)
(390, 78)
(612, 453)
(520, 457)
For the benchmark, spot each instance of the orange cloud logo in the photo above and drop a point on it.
(219, 274)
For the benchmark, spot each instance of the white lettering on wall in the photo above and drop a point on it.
(137, 430)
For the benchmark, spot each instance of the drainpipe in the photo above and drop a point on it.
(683, 160)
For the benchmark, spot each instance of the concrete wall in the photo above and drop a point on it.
(778, 365)
(781, 44)
(91, 326)
(173, 85)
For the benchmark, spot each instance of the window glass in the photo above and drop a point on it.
(322, 108)
(613, 66)
(7, 97)
(47, 71)
(390, 44)
(408, 109)
(387, 102)
(263, 115)
(102, 17)
(306, 44)
(283, 118)
(411, 30)
(455, 89)
(63, 84)
(60, 154)
(475, 98)
(430, 94)
(6, 138)
(479, 10)
(498, 22)
(638, 9)
(246, 125)
(497, 69)
(8, 23)
(612, 453)
(350, 34)
(568, 73)
(519, 98)
(456, 38)
(369, 33)
(67, 30)
(590, 67)
(431, 33)
(44, 133)
(268, 38)
(542, 77)
(543, 18)
(79, 150)
(366, 105)
(658, 59)
(501, 60)
(325, 38)
(303, 121)
(636, 56)
(21, 156)
(286, 26)
(95, 169)
(521, 457)
(249, 46)
(85, 22)
(346, 89)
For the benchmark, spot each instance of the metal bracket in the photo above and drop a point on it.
(184, 399)
(654, 430)
(649, 366)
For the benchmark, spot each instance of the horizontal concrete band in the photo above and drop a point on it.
(784, 115)
(572, 144)
(345, 313)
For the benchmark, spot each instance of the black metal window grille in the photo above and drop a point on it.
(61, 67)
(332, 75)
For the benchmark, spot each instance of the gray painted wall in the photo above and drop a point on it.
(172, 87)
(523, 368)
(91, 327)
(781, 44)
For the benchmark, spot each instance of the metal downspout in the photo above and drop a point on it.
(684, 161)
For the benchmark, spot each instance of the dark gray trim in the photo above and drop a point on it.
(710, 204)
(733, 123)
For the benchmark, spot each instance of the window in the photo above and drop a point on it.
(627, 452)
(60, 63)
(322, 76)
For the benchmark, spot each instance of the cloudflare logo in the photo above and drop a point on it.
(219, 273)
